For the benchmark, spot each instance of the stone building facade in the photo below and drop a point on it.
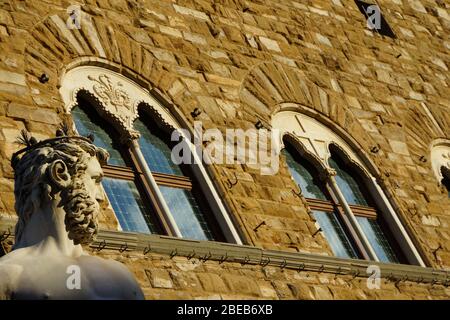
(241, 63)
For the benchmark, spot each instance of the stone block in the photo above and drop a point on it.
(270, 44)
(12, 77)
(323, 39)
(171, 31)
(159, 278)
(194, 38)
(241, 284)
(399, 147)
(20, 111)
(322, 293)
(191, 12)
(212, 282)
(185, 280)
(301, 291)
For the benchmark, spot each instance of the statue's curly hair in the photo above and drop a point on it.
(32, 184)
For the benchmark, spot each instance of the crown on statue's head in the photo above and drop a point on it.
(62, 136)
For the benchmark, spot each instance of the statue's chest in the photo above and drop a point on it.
(66, 280)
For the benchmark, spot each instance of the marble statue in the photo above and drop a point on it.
(57, 190)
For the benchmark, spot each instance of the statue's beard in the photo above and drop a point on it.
(81, 214)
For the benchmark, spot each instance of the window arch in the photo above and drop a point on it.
(146, 190)
(348, 193)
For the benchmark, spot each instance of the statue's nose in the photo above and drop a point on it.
(99, 194)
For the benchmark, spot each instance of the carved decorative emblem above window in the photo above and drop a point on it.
(114, 98)
(110, 94)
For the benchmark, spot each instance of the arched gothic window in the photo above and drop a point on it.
(147, 191)
(353, 212)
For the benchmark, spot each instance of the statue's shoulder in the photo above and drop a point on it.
(121, 276)
(134, 290)
(9, 277)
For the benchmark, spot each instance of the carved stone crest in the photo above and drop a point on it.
(113, 96)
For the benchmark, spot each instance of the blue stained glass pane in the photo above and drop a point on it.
(86, 126)
(335, 234)
(348, 185)
(186, 213)
(377, 239)
(128, 206)
(304, 178)
(156, 152)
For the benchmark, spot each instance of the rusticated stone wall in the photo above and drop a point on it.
(238, 61)
(181, 278)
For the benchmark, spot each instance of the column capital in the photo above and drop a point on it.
(327, 173)
(129, 138)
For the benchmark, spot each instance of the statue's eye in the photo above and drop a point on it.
(98, 179)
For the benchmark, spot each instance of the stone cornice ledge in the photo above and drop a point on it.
(226, 252)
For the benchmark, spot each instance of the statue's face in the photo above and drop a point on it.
(92, 180)
(82, 203)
